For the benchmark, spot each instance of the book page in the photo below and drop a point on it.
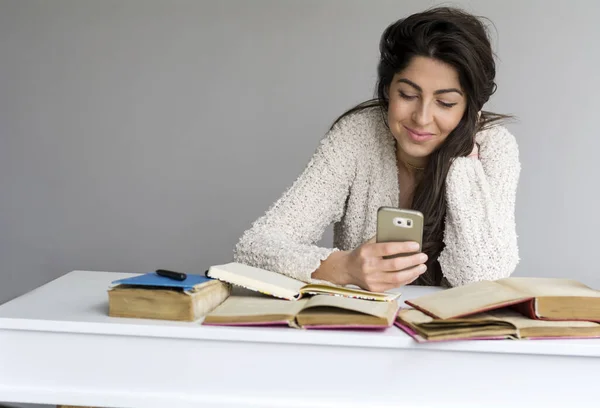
(541, 287)
(414, 316)
(479, 326)
(474, 321)
(315, 289)
(261, 280)
(466, 300)
(256, 306)
(378, 309)
(521, 322)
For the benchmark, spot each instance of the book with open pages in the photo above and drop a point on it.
(284, 287)
(496, 324)
(536, 298)
(319, 311)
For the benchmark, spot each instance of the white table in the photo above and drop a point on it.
(58, 346)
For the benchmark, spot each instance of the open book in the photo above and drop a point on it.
(320, 311)
(537, 298)
(496, 324)
(281, 286)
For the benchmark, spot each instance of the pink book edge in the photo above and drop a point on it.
(346, 327)
(278, 323)
(561, 338)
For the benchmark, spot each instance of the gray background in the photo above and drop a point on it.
(145, 134)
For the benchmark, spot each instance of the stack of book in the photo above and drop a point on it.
(151, 296)
(510, 308)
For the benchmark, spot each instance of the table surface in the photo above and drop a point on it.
(78, 303)
(59, 346)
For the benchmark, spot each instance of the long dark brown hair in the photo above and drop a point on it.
(461, 40)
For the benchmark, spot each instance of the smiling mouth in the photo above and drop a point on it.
(418, 136)
(418, 133)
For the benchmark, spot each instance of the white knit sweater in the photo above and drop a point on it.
(354, 172)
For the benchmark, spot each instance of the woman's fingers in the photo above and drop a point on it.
(383, 281)
(404, 277)
(412, 280)
(402, 262)
(373, 270)
(382, 249)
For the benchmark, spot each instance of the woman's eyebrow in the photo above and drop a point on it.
(438, 92)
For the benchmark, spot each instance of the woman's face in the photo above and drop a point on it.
(426, 103)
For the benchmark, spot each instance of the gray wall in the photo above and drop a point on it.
(144, 134)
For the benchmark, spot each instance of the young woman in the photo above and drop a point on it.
(423, 143)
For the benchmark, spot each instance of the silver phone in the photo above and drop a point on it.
(400, 225)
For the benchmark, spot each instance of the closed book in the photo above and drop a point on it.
(150, 296)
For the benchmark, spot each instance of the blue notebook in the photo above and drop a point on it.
(152, 279)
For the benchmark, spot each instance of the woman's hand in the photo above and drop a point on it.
(367, 268)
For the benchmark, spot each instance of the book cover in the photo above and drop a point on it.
(151, 296)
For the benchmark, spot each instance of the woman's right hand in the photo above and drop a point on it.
(367, 268)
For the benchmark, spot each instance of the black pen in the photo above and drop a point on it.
(179, 276)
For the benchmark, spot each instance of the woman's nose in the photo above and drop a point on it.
(423, 115)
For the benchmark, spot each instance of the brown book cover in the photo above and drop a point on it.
(166, 303)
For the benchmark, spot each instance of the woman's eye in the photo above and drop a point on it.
(407, 97)
(412, 97)
(446, 104)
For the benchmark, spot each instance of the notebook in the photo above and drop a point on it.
(153, 280)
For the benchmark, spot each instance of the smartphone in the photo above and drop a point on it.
(399, 225)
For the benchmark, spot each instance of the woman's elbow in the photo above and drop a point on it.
(481, 269)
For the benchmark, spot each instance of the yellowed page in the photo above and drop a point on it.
(522, 322)
(417, 317)
(414, 316)
(466, 300)
(378, 309)
(257, 279)
(480, 325)
(542, 287)
(315, 288)
(256, 306)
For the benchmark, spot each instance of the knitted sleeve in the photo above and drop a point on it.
(480, 235)
(283, 239)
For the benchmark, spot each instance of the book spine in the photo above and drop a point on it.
(526, 308)
(420, 309)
